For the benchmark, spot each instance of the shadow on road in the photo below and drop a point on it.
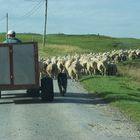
(76, 98)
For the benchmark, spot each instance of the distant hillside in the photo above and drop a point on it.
(78, 43)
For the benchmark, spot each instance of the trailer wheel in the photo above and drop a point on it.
(47, 92)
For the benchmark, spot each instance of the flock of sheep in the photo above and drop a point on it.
(91, 63)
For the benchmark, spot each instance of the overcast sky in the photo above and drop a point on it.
(117, 18)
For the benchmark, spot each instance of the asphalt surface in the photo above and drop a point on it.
(77, 116)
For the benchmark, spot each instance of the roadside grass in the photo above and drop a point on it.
(131, 108)
(130, 69)
(119, 91)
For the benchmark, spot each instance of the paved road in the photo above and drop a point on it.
(77, 116)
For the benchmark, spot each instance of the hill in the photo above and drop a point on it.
(61, 44)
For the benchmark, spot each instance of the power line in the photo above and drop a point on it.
(45, 21)
(33, 10)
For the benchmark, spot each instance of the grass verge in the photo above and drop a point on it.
(118, 91)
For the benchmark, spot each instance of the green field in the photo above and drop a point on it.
(123, 90)
(61, 44)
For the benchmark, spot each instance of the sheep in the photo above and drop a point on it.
(83, 62)
(132, 55)
(74, 70)
(52, 70)
(91, 67)
(102, 66)
(68, 63)
(90, 63)
(111, 69)
(138, 53)
(117, 58)
(60, 65)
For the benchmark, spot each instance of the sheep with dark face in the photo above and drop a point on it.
(111, 69)
(138, 53)
(132, 55)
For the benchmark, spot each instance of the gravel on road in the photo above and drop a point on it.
(76, 116)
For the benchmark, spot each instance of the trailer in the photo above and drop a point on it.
(19, 67)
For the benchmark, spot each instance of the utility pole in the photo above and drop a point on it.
(6, 24)
(45, 23)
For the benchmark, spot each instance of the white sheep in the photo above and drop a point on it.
(52, 70)
(102, 66)
(91, 67)
(74, 70)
